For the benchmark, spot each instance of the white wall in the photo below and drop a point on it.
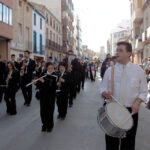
(38, 31)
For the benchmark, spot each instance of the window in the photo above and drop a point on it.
(27, 8)
(34, 37)
(46, 33)
(19, 33)
(4, 16)
(40, 23)
(51, 21)
(51, 35)
(34, 19)
(27, 37)
(6, 13)
(41, 42)
(10, 16)
(20, 3)
(1, 10)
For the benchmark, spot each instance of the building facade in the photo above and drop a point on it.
(54, 6)
(6, 27)
(38, 35)
(121, 33)
(67, 9)
(22, 28)
(140, 19)
(78, 37)
(53, 34)
(87, 54)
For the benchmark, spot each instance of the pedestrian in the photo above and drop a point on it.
(28, 67)
(105, 66)
(11, 89)
(62, 96)
(3, 76)
(92, 72)
(130, 89)
(83, 72)
(47, 89)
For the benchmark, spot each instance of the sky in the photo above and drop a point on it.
(98, 18)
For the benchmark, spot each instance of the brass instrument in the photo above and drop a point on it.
(22, 71)
(69, 67)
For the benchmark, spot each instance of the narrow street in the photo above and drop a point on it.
(79, 131)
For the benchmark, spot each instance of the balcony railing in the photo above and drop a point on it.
(53, 45)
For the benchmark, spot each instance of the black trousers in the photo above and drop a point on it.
(62, 103)
(47, 106)
(127, 143)
(71, 93)
(78, 86)
(10, 101)
(27, 93)
(82, 82)
(1, 93)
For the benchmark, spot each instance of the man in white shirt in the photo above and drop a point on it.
(130, 89)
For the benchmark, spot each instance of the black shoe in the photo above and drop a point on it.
(8, 112)
(70, 105)
(25, 103)
(14, 113)
(43, 129)
(49, 129)
(28, 105)
(58, 117)
(63, 118)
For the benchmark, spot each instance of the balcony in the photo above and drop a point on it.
(137, 16)
(138, 43)
(52, 45)
(144, 36)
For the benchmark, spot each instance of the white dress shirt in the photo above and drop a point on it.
(136, 83)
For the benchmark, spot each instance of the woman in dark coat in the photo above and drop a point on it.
(12, 87)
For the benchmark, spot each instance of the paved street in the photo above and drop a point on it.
(78, 132)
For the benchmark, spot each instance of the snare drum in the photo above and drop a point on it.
(112, 120)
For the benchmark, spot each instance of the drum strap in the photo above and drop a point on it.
(112, 80)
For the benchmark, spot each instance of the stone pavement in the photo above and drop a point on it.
(79, 131)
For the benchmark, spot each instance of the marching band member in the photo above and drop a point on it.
(28, 68)
(42, 68)
(130, 89)
(83, 71)
(3, 76)
(62, 96)
(47, 87)
(15, 62)
(11, 89)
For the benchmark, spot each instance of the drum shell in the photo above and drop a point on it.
(108, 126)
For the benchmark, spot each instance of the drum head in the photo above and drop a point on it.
(118, 115)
